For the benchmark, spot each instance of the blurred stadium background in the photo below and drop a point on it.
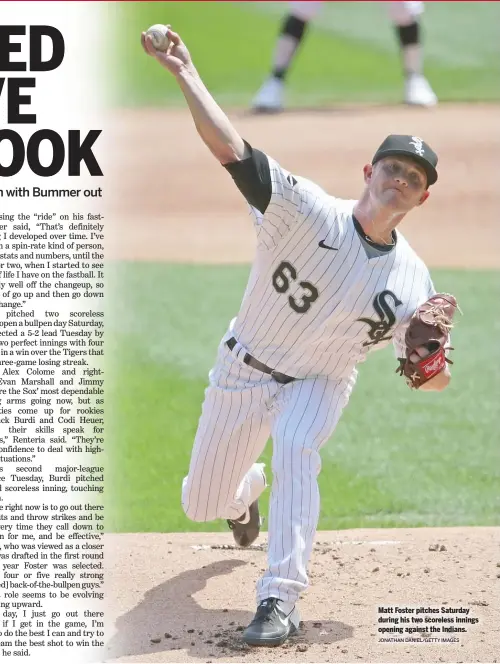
(183, 243)
(350, 55)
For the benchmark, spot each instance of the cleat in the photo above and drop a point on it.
(418, 91)
(270, 626)
(269, 99)
(245, 534)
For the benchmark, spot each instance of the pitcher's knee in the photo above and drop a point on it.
(196, 505)
(197, 510)
(195, 513)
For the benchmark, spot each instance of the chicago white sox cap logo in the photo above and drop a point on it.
(412, 146)
(417, 144)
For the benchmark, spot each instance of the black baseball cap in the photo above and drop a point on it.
(413, 147)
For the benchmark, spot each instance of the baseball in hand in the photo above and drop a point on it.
(158, 34)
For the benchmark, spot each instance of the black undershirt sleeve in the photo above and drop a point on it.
(252, 176)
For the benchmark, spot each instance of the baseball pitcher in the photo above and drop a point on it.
(332, 281)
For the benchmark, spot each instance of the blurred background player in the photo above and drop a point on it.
(405, 16)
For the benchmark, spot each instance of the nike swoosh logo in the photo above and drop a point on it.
(325, 246)
(283, 621)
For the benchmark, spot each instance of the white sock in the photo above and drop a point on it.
(284, 52)
(412, 59)
(251, 487)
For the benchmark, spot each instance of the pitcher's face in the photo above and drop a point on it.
(397, 183)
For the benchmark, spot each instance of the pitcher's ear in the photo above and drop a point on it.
(424, 197)
(367, 172)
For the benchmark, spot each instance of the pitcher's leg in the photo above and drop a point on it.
(302, 425)
(232, 433)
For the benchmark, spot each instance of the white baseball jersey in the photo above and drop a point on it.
(319, 297)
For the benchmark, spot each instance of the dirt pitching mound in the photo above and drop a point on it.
(186, 597)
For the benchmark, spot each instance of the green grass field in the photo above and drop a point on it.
(409, 459)
(351, 53)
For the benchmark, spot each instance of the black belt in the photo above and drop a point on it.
(255, 364)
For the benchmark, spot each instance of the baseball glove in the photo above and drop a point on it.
(429, 329)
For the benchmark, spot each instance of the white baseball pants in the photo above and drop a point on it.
(242, 408)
